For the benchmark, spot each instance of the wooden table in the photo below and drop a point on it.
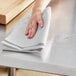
(11, 8)
(62, 58)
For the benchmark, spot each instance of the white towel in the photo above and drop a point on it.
(17, 41)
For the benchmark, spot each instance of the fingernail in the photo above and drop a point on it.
(41, 26)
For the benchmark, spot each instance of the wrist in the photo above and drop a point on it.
(37, 10)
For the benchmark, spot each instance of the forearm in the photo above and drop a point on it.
(40, 5)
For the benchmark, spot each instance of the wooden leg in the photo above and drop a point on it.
(12, 72)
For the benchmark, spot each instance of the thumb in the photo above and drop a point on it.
(40, 21)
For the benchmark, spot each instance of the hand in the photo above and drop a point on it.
(35, 22)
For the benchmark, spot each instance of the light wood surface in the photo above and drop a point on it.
(11, 24)
(11, 8)
(33, 73)
(19, 72)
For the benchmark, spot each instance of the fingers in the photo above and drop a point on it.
(31, 29)
(40, 21)
(35, 21)
(27, 31)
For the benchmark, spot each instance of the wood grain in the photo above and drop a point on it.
(10, 25)
(20, 72)
(11, 8)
